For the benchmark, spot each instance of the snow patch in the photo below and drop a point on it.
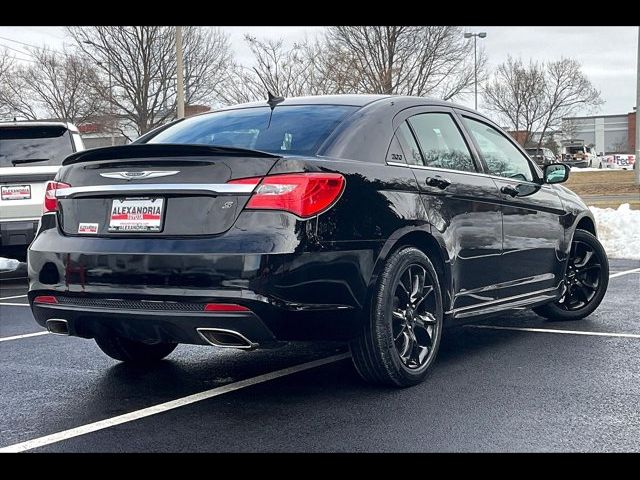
(619, 231)
(8, 264)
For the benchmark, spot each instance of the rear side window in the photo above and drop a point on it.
(34, 145)
(442, 143)
(293, 129)
(409, 145)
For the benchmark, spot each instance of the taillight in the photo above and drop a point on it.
(304, 194)
(50, 200)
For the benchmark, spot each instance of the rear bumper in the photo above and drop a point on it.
(153, 326)
(17, 233)
(293, 289)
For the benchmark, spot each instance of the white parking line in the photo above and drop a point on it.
(26, 335)
(11, 304)
(626, 272)
(550, 330)
(10, 298)
(164, 407)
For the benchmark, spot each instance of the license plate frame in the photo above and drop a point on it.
(7, 195)
(136, 215)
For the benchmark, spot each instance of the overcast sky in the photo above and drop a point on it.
(608, 54)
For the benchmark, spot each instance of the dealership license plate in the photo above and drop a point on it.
(16, 192)
(136, 215)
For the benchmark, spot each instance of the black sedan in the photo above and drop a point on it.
(371, 219)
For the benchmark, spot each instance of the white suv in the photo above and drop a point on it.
(30, 156)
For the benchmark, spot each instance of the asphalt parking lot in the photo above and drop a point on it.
(518, 383)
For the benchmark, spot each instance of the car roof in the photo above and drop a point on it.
(37, 123)
(356, 100)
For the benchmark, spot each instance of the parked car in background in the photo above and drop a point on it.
(30, 156)
(576, 154)
(618, 161)
(372, 219)
(542, 156)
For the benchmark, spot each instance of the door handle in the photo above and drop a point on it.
(510, 190)
(439, 182)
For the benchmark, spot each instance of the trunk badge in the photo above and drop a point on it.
(139, 175)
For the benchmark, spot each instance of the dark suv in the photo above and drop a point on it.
(371, 219)
(542, 156)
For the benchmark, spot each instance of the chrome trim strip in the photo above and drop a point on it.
(136, 188)
(506, 300)
(466, 172)
(250, 345)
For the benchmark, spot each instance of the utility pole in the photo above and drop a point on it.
(180, 74)
(475, 60)
(637, 164)
(112, 115)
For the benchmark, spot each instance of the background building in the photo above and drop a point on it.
(609, 133)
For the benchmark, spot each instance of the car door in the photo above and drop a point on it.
(463, 206)
(532, 230)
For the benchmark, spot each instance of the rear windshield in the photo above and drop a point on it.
(575, 149)
(295, 129)
(33, 146)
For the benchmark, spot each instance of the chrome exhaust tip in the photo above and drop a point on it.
(220, 337)
(58, 326)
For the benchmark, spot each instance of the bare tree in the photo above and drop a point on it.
(143, 68)
(406, 60)
(567, 90)
(282, 71)
(536, 97)
(55, 84)
(516, 94)
(620, 146)
(14, 97)
(6, 66)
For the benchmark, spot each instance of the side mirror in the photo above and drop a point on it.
(556, 173)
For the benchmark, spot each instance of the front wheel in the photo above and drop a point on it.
(125, 350)
(585, 281)
(400, 339)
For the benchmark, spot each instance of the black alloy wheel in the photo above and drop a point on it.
(585, 280)
(401, 335)
(413, 317)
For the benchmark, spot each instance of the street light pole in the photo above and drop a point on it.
(180, 74)
(475, 61)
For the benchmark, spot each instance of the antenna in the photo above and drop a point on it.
(272, 101)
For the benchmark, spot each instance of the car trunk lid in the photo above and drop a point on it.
(162, 189)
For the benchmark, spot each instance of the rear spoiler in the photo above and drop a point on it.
(162, 150)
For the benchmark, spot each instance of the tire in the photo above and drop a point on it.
(561, 310)
(130, 351)
(377, 352)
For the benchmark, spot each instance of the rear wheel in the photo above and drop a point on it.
(126, 350)
(400, 340)
(585, 281)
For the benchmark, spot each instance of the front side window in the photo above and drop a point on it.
(501, 156)
(442, 143)
(293, 129)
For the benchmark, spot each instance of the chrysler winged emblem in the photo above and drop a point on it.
(139, 175)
